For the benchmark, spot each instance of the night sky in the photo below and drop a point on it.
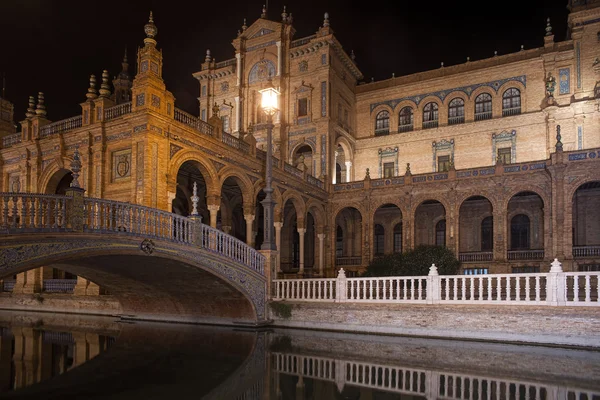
(54, 45)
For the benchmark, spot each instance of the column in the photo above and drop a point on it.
(334, 172)
(29, 281)
(321, 237)
(301, 232)
(238, 58)
(349, 174)
(278, 44)
(278, 226)
(213, 210)
(238, 124)
(249, 224)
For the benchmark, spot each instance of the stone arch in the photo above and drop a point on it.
(202, 163)
(382, 107)
(539, 237)
(529, 188)
(453, 95)
(383, 201)
(406, 103)
(484, 89)
(470, 217)
(463, 196)
(297, 201)
(314, 208)
(49, 174)
(429, 99)
(241, 179)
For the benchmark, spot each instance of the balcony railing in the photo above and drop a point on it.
(302, 41)
(11, 140)
(405, 128)
(586, 251)
(526, 254)
(63, 126)
(117, 111)
(483, 115)
(507, 112)
(456, 120)
(350, 261)
(430, 124)
(382, 132)
(45, 212)
(234, 142)
(194, 122)
(226, 63)
(476, 256)
(8, 285)
(59, 285)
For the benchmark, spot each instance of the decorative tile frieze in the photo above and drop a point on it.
(174, 149)
(564, 81)
(118, 136)
(155, 102)
(140, 128)
(218, 165)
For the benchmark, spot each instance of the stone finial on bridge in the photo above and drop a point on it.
(341, 274)
(556, 266)
(433, 271)
(76, 168)
(195, 199)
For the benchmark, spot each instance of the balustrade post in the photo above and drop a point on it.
(341, 293)
(269, 270)
(433, 294)
(556, 284)
(74, 210)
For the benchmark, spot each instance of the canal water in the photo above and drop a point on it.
(58, 356)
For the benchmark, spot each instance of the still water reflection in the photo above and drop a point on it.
(53, 356)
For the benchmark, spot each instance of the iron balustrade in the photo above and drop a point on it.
(525, 254)
(475, 256)
(507, 112)
(59, 285)
(586, 251)
(456, 120)
(117, 111)
(62, 126)
(430, 124)
(348, 260)
(405, 128)
(33, 212)
(483, 116)
(8, 285)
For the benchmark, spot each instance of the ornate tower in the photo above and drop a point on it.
(122, 83)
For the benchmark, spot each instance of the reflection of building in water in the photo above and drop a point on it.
(29, 355)
(307, 377)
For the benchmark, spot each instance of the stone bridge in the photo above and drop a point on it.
(161, 266)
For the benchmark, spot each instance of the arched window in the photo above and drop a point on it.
(511, 102)
(379, 240)
(519, 232)
(456, 111)
(398, 238)
(405, 120)
(382, 123)
(430, 115)
(487, 234)
(440, 233)
(483, 107)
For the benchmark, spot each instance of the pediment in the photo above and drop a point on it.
(262, 27)
(303, 88)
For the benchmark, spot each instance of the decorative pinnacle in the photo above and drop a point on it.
(352, 56)
(40, 108)
(195, 199)
(92, 93)
(150, 29)
(31, 109)
(244, 27)
(468, 59)
(264, 12)
(104, 86)
(559, 145)
(326, 20)
(522, 47)
(408, 168)
(284, 15)
(442, 64)
(125, 56)
(208, 58)
(215, 110)
(75, 168)
(548, 27)
(495, 53)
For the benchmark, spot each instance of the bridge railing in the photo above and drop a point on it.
(32, 212)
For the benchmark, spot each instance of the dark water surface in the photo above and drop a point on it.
(57, 356)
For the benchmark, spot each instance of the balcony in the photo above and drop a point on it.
(475, 256)
(348, 261)
(430, 124)
(483, 116)
(382, 132)
(586, 251)
(456, 120)
(405, 128)
(525, 255)
(507, 112)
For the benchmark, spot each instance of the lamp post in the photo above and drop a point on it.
(269, 98)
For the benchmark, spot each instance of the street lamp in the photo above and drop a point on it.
(269, 100)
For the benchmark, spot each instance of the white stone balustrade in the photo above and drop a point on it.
(219, 242)
(32, 212)
(555, 288)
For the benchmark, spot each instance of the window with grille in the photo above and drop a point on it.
(511, 102)
(456, 111)
(382, 123)
(405, 119)
(487, 234)
(388, 169)
(379, 240)
(339, 242)
(483, 106)
(430, 112)
(519, 232)
(504, 155)
(398, 238)
(443, 163)
(440, 233)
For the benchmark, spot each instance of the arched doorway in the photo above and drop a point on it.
(303, 159)
(231, 212)
(476, 230)
(389, 218)
(188, 174)
(525, 222)
(430, 223)
(586, 226)
(349, 231)
(59, 182)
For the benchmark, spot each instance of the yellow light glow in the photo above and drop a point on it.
(269, 100)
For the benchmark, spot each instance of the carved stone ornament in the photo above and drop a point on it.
(147, 246)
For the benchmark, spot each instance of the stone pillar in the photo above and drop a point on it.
(334, 173)
(321, 237)
(238, 60)
(85, 287)
(238, 124)
(278, 44)
(278, 226)
(29, 281)
(26, 356)
(93, 345)
(301, 232)
(300, 383)
(349, 174)
(270, 261)
(81, 351)
(249, 223)
(213, 210)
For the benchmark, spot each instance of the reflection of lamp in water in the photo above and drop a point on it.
(269, 100)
